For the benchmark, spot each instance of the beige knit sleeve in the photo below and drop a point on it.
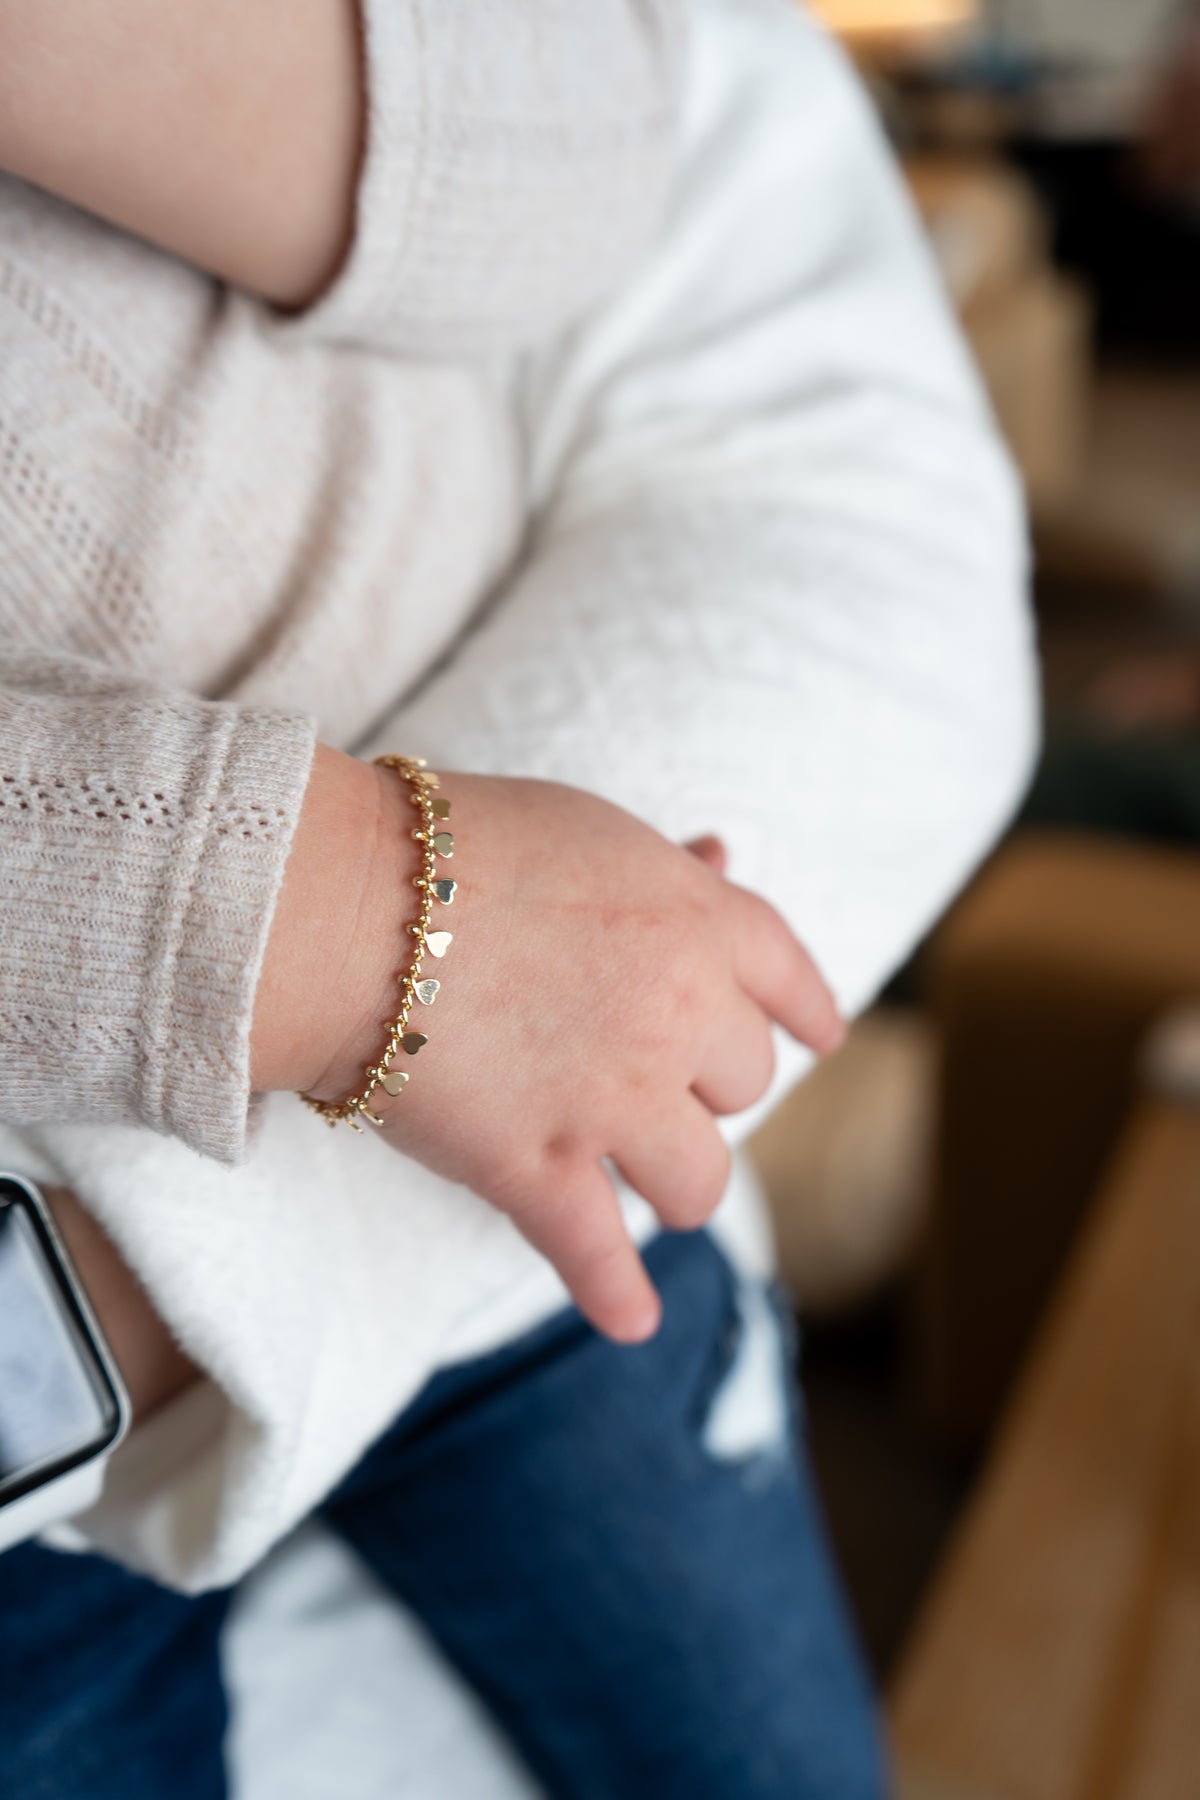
(143, 835)
(517, 164)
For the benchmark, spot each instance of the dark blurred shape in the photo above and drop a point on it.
(1127, 761)
(1059, 1652)
(1044, 984)
(891, 1498)
(1136, 246)
(1144, 786)
(1171, 130)
(1101, 108)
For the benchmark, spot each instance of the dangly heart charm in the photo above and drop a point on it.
(411, 1042)
(426, 991)
(445, 891)
(394, 1082)
(438, 942)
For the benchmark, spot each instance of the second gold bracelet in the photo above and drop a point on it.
(436, 842)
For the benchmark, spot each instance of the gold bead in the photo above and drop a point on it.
(422, 783)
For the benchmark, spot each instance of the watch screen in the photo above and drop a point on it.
(56, 1406)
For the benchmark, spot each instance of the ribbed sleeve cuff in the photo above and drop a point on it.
(143, 838)
(220, 902)
(497, 137)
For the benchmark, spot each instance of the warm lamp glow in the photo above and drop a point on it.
(893, 21)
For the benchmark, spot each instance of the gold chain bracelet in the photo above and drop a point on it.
(435, 841)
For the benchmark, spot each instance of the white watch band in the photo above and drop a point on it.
(62, 1497)
(53, 1502)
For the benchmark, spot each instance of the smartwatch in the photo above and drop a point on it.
(63, 1407)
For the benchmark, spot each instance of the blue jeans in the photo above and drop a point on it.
(645, 1612)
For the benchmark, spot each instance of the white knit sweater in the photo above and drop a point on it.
(752, 560)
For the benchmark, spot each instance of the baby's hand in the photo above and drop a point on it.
(605, 994)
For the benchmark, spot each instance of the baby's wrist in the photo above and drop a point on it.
(385, 1074)
(329, 971)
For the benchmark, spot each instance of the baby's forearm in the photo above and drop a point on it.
(606, 995)
(229, 132)
(335, 937)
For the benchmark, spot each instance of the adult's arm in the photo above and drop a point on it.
(471, 175)
(154, 1368)
(778, 583)
(777, 589)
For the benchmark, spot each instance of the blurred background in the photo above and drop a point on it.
(989, 1203)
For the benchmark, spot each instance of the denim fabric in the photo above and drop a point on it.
(110, 1687)
(646, 1612)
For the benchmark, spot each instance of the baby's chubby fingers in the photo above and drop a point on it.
(773, 967)
(776, 970)
(710, 851)
(679, 1163)
(578, 1226)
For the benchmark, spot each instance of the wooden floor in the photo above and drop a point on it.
(1058, 1657)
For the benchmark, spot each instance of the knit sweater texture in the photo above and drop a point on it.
(632, 448)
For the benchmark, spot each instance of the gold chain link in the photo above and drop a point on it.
(435, 841)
